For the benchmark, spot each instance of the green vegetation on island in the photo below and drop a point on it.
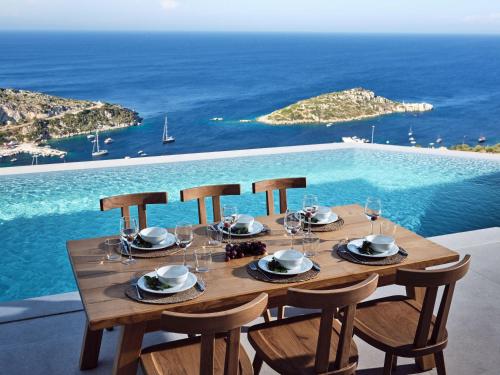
(493, 149)
(342, 106)
(27, 116)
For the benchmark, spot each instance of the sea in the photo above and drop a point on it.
(194, 77)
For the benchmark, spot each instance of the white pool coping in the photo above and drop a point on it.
(238, 153)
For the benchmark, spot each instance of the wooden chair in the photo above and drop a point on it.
(218, 350)
(312, 343)
(401, 327)
(214, 191)
(280, 184)
(140, 200)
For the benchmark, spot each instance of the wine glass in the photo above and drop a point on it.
(292, 223)
(129, 231)
(229, 218)
(184, 238)
(310, 207)
(373, 210)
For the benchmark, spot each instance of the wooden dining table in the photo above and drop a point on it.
(102, 284)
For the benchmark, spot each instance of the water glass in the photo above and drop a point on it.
(129, 231)
(310, 246)
(292, 223)
(203, 258)
(214, 236)
(388, 228)
(112, 248)
(310, 206)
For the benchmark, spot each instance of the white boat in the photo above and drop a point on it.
(410, 132)
(143, 154)
(108, 141)
(245, 120)
(354, 140)
(439, 139)
(411, 139)
(217, 119)
(127, 157)
(167, 138)
(13, 160)
(140, 152)
(481, 139)
(329, 124)
(90, 136)
(96, 151)
(413, 142)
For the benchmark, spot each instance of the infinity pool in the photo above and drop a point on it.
(429, 194)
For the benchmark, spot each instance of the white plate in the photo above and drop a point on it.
(354, 244)
(167, 242)
(256, 228)
(189, 283)
(306, 265)
(331, 219)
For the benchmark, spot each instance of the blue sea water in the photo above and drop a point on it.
(431, 195)
(196, 76)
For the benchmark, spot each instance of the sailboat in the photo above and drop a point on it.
(410, 132)
(167, 138)
(96, 151)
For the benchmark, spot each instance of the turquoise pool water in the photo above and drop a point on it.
(431, 195)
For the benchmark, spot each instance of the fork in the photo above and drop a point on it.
(254, 267)
(134, 284)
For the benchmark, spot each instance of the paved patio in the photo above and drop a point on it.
(43, 335)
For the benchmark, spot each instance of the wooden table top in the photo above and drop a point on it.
(102, 284)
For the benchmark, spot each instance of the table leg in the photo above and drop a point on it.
(91, 346)
(129, 349)
(427, 362)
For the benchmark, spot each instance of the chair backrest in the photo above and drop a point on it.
(124, 202)
(210, 324)
(280, 184)
(214, 191)
(431, 280)
(330, 302)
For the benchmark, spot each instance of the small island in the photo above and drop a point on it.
(341, 106)
(28, 119)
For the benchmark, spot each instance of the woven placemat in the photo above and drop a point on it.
(157, 299)
(151, 253)
(342, 252)
(336, 225)
(236, 239)
(279, 279)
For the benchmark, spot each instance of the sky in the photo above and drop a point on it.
(364, 16)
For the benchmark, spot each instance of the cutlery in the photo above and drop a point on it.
(403, 252)
(200, 284)
(316, 266)
(134, 284)
(254, 267)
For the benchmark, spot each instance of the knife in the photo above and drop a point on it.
(200, 285)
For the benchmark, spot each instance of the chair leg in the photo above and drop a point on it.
(257, 364)
(440, 367)
(281, 312)
(394, 362)
(388, 363)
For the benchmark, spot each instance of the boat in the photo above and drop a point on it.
(354, 140)
(96, 151)
(13, 160)
(167, 138)
(411, 139)
(127, 157)
(481, 139)
(90, 136)
(217, 119)
(413, 142)
(439, 139)
(329, 124)
(108, 141)
(143, 154)
(140, 152)
(245, 120)
(410, 132)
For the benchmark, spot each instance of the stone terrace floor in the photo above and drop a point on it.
(43, 335)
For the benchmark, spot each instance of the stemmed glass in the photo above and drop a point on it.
(184, 238)
(129, 231)
(292, 224)
(373, 210)
(229, 219)
(310, 207)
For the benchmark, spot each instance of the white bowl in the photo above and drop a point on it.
(289, 259)
(381, 243)
(244, 221)
(153, 235)
(323, 213)
(172, 275)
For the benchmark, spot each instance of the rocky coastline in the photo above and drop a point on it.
(342, 106)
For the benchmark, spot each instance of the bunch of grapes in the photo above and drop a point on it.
(239, 250)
